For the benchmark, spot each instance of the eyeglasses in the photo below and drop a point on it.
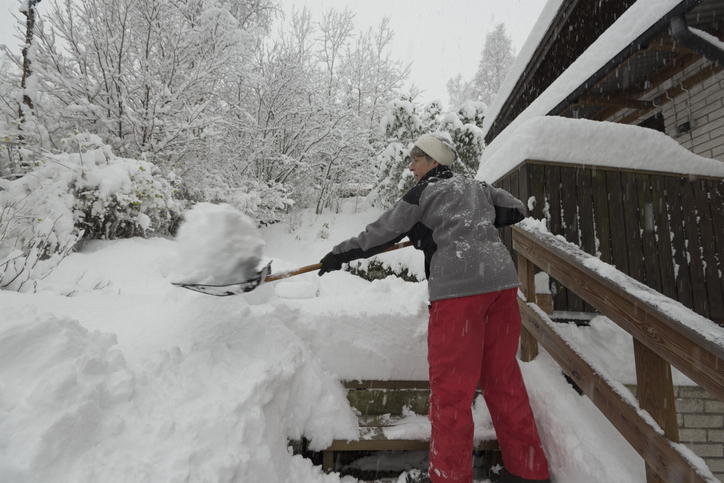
(414, 158)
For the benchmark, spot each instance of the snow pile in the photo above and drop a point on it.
(581, 455)
(217, 245)
(593, 143)
(188, 388)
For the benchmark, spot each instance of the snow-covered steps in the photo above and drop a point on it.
(393, 417)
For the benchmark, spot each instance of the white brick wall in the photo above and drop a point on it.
(701, 425)
(703, 104)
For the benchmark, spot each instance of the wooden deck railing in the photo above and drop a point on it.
(660, 340)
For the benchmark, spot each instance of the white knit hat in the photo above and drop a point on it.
(438, 146)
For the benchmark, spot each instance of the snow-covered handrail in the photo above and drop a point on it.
(686, 340)
(664, 331)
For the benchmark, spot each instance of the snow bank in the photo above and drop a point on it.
(592, 143)
(579, 455)
(139, 381)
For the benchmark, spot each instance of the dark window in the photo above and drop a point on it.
(655, 122)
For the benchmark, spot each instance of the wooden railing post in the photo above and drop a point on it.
(655, 392)
(526, 274)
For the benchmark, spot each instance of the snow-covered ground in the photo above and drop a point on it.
(112, 374)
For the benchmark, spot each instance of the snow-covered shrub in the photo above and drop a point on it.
(114, 197)
(84, 191)
(36, 232)
(374, 269)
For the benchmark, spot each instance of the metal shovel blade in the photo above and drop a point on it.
(233, 289)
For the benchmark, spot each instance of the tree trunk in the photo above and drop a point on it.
(29, 31)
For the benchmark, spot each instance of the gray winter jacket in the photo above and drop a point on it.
(454, 220)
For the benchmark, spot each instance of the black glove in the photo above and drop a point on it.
(330, 263)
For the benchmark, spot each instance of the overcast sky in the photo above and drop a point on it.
(440, 38)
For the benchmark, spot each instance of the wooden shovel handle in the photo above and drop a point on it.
(317, 266)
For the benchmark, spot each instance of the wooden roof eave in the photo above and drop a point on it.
(628, 52)
(527, 87)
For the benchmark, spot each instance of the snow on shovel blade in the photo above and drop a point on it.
(233, 289)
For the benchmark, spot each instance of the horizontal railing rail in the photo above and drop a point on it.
(664, 332)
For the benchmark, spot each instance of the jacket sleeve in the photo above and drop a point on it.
(380, 235)
(508, 209)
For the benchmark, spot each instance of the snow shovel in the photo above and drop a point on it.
(261, 277)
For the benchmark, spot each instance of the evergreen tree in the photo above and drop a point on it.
(404, 123)
(496, 60)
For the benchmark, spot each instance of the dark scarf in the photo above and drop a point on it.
(440, 172)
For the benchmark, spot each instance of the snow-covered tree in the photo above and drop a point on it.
(201, 89)
(28, 9)
(404, 122)
(9, 94)
(371, 76)
(466, 129)
(336, 31)
(144, 75)
(496, 60)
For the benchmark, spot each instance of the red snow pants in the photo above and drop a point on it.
(474, 340)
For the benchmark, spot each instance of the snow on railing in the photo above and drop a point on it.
(665, 333)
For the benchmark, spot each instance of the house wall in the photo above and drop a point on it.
(703, 103)
(701, 425)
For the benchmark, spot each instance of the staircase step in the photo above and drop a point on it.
(377, 402)
(392, 416)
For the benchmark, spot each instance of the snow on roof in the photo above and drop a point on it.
(522, 60)
(581, 141)
(633, 23)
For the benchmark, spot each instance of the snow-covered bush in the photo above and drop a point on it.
(114, 197)
(82, 192)
(36, 232)
(374, 269)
